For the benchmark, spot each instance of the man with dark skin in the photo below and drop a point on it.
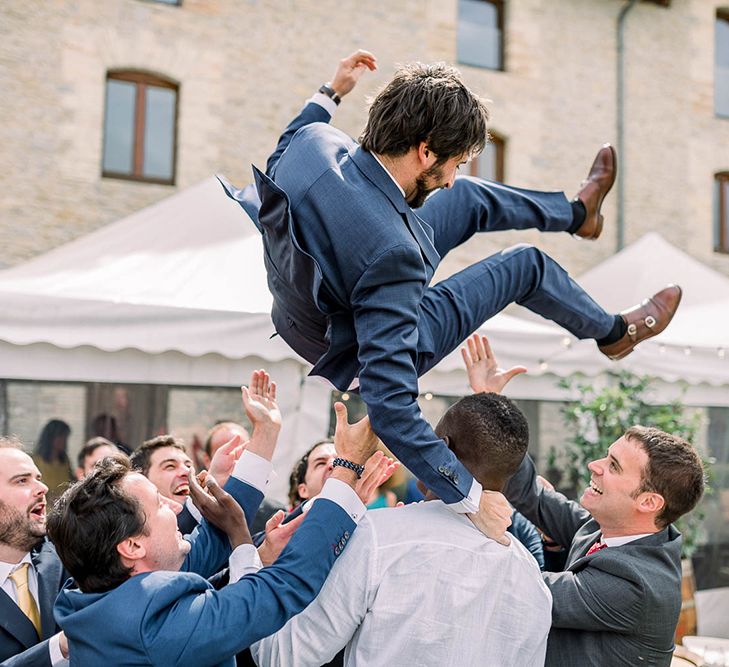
(618, 598)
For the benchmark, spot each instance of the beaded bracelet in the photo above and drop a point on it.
(354, 467)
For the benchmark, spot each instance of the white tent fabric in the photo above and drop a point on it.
(694, 349)
(173, 294)
(176, 294)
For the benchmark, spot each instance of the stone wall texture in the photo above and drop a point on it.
(245, 66)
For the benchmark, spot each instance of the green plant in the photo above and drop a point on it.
(602, 415)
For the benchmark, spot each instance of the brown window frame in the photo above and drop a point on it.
(142, 80)
(499, 142)
(500, 22)
(721, 239)
(722, 14)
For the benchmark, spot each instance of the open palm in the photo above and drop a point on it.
(259, 400)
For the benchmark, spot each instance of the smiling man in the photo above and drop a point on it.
(30, 572)
(618, 599)
(164, 462)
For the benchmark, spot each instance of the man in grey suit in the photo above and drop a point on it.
(618, 599)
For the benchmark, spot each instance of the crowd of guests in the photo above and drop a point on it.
(144, 561)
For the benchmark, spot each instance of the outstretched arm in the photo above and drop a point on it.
(385, 304)
(348, 73)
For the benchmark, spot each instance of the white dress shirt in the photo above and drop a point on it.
(420, 585)
(6, 584)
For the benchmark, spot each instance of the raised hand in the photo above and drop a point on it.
(378, 469)
(493, 516)
(223, 461)
(350, 69)
(354, 442)
(484, 374)
(277, 537)
(259, 401)
(220, 509)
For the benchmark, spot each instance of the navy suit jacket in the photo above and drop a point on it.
(19, 642)
(176, 618)
(348, 263)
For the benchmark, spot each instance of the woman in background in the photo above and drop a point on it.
(51, 457)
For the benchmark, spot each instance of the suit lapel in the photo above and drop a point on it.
(50, 572)
(374, 172)
(580, 546)
(15, 622)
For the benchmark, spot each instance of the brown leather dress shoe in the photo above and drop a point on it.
(644, 321)
(593, 191)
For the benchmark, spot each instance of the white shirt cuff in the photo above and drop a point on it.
(470, 503)
(54, 649)
(193, 510)
(343, 495)
(244, 560)
(254, 470)
(324, 101)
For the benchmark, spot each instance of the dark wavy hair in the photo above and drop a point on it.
(88, 522)
(44, 447)
(427, 103)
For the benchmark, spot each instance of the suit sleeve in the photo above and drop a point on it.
(318, 633)
(549, 511)
(36, 656)
(385, 302)
(210, 547)
(596, 598)
(311, 113)
(227, 621)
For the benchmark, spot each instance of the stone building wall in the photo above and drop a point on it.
(245, 66)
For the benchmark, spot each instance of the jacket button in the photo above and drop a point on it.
(336, 551)
(442, 470)
(346, 534)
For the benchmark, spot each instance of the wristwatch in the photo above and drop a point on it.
(327, 90)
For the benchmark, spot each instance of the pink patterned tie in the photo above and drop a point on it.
(595, 547)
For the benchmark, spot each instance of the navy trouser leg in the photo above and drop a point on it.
(476, 205)
(457, 306)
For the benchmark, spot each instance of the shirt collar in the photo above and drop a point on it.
(399, 187)
(619, 541)
(6, 569)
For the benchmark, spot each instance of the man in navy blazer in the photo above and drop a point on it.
(118, 538)
(23, 546)
(349, 261)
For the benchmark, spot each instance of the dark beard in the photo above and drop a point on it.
(18, 531)
(422, 191)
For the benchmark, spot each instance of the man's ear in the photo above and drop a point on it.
(651, 503)
(426, 157)
(303, 491)
(131, 550)
(79, 474)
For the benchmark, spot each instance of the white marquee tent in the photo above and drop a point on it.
(692, 352)
(176, 294)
